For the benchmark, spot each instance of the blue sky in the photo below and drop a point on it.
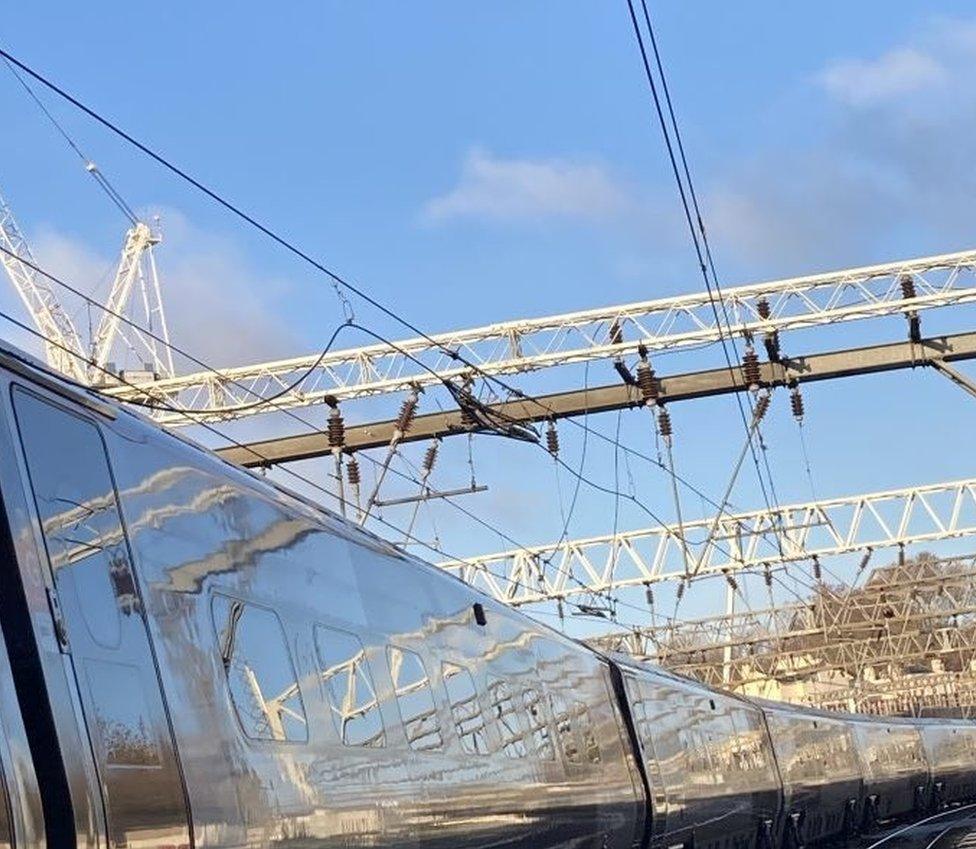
(467, 163)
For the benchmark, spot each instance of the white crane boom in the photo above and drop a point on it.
(529, 345)
(146, 338)
(62, 344)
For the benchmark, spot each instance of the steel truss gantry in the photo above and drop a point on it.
(533, 344)
(903, 616)
(732, 542)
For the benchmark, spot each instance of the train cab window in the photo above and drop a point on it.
(414, 696)
(507, 714)
(345, 671)
(78, 513)
(469, 722)
(538, 724)
(260, 673)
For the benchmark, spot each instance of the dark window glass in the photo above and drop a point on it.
(259, 669)
(469, 722)
(78, 512)
(415, 699)
(352, 695)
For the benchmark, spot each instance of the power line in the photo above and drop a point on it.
(338, 282)
(702, 249)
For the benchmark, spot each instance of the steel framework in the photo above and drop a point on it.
(734, 542)
(62, 344)
(528, 345)
(903, 617)
(934, 352)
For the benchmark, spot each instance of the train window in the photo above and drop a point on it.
(78, 513)
(260, 674)
(509, 718)
(465, 708)
(563, 717)
(352, 695)
(590, 747)
(415, 699)
(538, 724)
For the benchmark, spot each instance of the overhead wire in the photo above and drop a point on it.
(702, 249)
(305, 480)
(90, 166)
(339, 282)
(158, 405)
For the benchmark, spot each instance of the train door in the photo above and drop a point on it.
(101, 625)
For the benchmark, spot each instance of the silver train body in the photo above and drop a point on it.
(192, 656)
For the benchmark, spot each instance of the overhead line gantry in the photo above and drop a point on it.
(735, 542)
(936, 352)
(532, 344)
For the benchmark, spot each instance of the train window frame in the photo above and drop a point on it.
(370, 679)
(230, 596)
(539, 729)
(506, 709)
(461, 735)
(437, 730)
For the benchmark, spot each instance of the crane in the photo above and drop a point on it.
(132, 325)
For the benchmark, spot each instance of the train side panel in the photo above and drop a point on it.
(896, 771)
(821, 774)
(710, 764)
(328, 688)
(951, 752)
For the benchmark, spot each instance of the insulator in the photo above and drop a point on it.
(768, 578)
(762, 405)
(796, 403)
(750, 368)
(336, 429)
(907, 283)
(408, 411)
(732, 583)
(352, 471)
(762, 307)
(559, 609)
(649, 595)
(681, 590)
(664, 423)
(430, 457)
(817, 571)
(616, 333)
(864, 560)
(771, 341)
(647, 382)
(552, 439)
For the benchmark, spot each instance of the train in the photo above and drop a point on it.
(194, 656)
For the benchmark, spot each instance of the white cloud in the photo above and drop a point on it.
(864, 82)
(500, 189)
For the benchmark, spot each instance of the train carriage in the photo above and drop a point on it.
(950, 747)
(711, 767)
(820, 772)
(895, 766)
